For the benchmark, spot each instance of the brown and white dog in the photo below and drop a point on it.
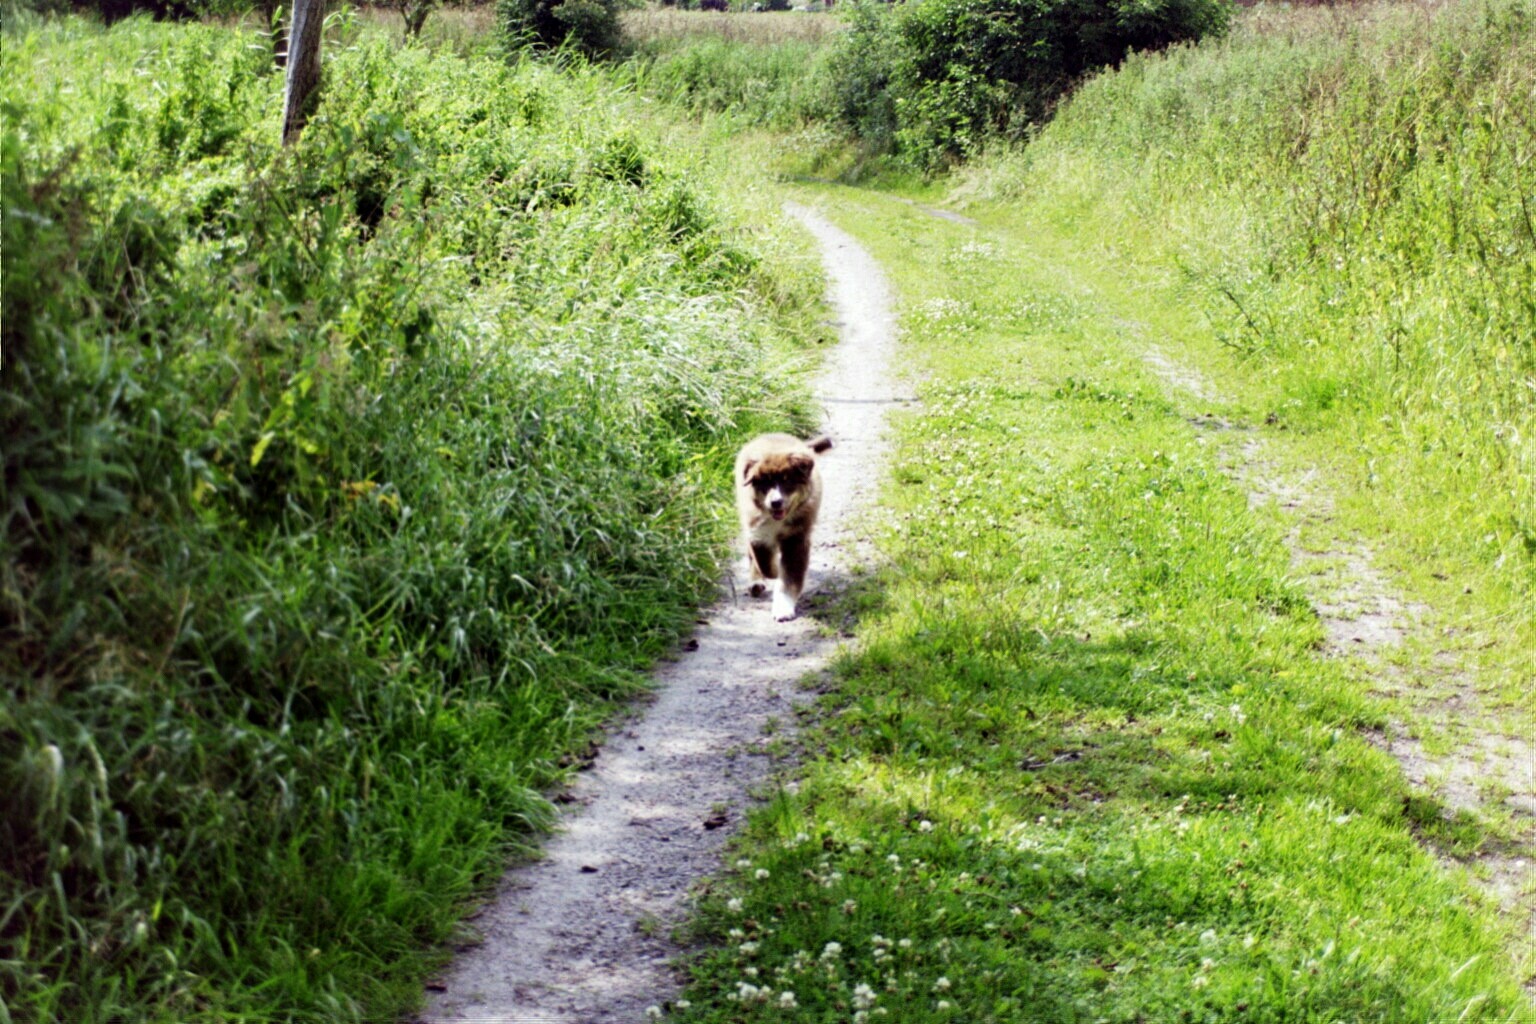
(778, 493)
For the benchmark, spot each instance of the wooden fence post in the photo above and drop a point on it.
(305, 25)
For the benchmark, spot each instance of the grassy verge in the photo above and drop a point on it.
(1086, 763)
(1344, 200)
(345, 489)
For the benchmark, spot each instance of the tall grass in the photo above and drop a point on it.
(343, 489)
(653, 28)
(1355, 195)
(745, 66)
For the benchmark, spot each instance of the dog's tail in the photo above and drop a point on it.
(819, 443)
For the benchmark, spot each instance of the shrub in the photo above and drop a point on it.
(591, 26)
(860, 69)
(946, 75)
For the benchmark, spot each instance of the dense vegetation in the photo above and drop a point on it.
(927, 81)
(343, 488)
(1354, 198)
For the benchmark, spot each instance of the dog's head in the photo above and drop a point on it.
(778, 481)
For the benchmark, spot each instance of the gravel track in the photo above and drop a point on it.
(583, 935)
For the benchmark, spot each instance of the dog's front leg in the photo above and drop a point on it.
(761, 563)
(795, 553)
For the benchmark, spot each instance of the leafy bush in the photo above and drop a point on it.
(947, 75)
(342, 488)
(860, 69)
(591, 26)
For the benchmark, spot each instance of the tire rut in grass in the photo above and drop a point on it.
(1366, 619)
(584, 934)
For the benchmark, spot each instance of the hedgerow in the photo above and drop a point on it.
(343, 486)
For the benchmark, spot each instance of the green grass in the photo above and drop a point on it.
(1344, 201)
(345, 490)
(781, 83)
(1086, 760)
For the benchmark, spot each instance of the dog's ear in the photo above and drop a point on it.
(746, 470)
(819, 443)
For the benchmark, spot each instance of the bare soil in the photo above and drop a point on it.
(585, 935)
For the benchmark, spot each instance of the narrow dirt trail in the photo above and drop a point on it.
(582, 936)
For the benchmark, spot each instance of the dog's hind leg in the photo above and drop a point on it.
(762, 562)
(795, 551)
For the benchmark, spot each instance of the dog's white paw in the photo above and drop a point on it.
(783, 606)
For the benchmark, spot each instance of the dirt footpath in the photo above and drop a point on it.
(583, 936)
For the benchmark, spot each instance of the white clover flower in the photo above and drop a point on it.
(942, 1006)
(863, 996)
(653, 1012)
(1200, 981)
(748, 948)
(925, 825)
(734, 905)
(849, 906)
(942, 985)
(736, 933)
(787, 1000)
(832, 951)
(743, 864)
(905, 943)
(1208, 936)
(761, 874)
(1207, 964)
